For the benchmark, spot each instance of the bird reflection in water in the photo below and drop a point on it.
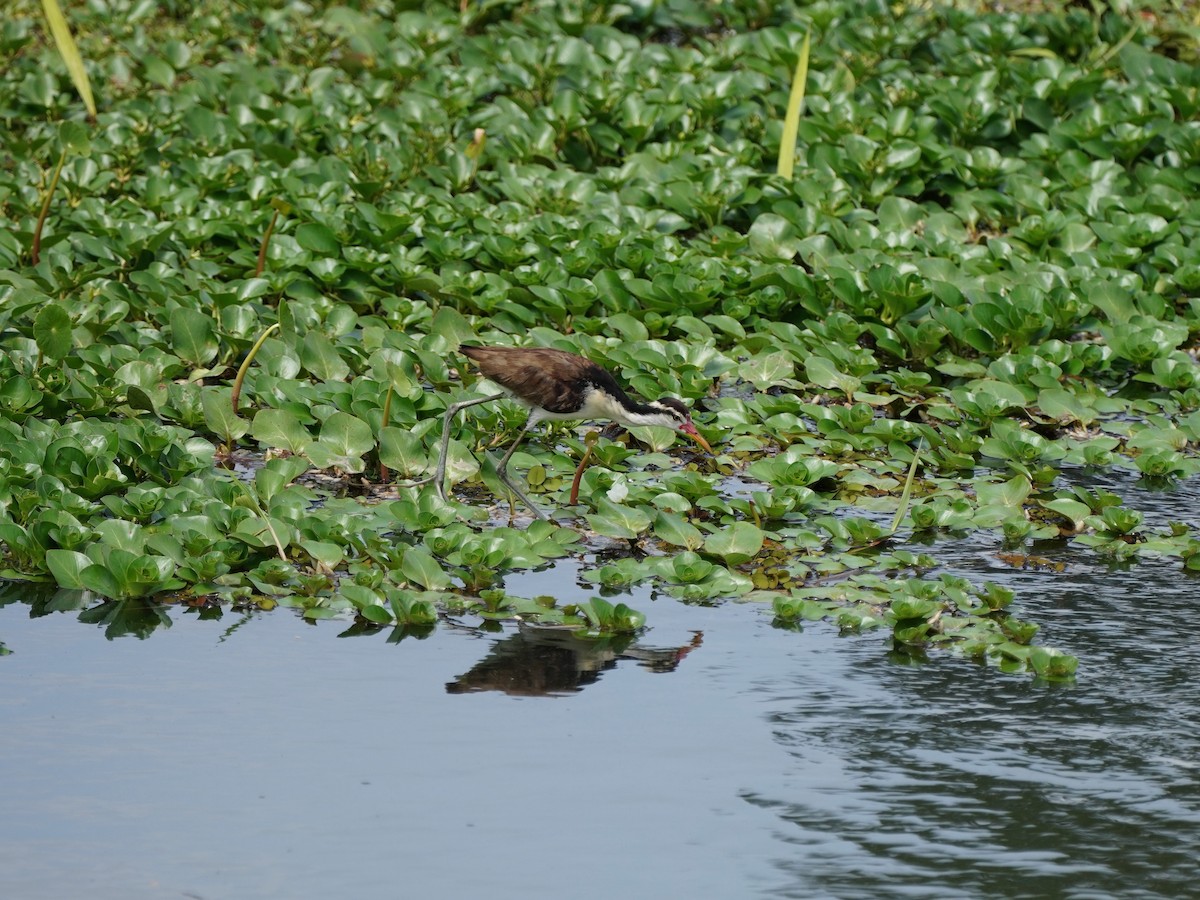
(537, 661)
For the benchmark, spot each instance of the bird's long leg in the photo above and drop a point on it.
(440, 474)
(502, 470)
(454, 409)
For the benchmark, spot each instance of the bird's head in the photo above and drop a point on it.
(675, 414)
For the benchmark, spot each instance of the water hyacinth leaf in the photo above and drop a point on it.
(99, 580)
(690, 567)
(616, 521)
(1051, 663)
(321, 358)
(318, 239)
(675, 529)
(419, 567)
(402, 451)
(772, 237)
(344, 440)
(1065, 406)
(52, 331)
(368, 603)
(822, 372)
(658, 439)
(605, 617)
(219, 416)
(1073, 510)
(67, 567)
(276, 474)
(738, 543)
(769, 370)
(279, 430)
(193, 335)
(326, 553)
(1113, 300)
(904, 608)
(347, 434)
(461, 463)
(376, 615)
(1012, 493)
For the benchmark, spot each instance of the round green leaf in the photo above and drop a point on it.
(52, 331)
(737, 544)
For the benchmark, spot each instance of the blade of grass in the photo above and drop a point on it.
(791, 122)
(906, 494)
(70, 54)
(257, 507)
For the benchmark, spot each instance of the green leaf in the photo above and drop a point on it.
(219, 416)
(279, 429)
(100, 580)
(318, 239)
(402, 451)
(768, 370)
(345, 439)
(52, 331)
(376, 614)
(75, 138)
(675, 529)
(617, 521)
(1051, 663)
(772, 237)
(347, 434)
(319, 356)
(67, 567)
(421, 568)
(822, 372)
(193, 335)
(1113, 300)
(904, 608)
(690, 568)
(327, 553)
(1071, 509)
(737, 544)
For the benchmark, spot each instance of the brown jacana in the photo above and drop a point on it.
(557, 386)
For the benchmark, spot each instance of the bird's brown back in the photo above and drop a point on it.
(555, 380)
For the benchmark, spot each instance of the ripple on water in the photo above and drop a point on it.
(952, 780)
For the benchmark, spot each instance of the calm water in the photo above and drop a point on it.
(717, 757)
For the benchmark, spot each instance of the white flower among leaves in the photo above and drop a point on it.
(619, 491)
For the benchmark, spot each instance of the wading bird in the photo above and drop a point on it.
(557, 386)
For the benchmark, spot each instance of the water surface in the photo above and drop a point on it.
(718, 756)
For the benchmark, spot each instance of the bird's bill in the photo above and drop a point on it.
(690, 430)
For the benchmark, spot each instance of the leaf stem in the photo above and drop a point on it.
(241, 374)
(35, 250)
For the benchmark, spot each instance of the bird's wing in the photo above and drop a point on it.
(554, 380)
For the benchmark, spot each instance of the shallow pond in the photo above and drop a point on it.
(718, 756)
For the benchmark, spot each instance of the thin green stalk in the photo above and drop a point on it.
(387, 417)
(35, 250)
(266, 519)
(262, 248)
(245, 366)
